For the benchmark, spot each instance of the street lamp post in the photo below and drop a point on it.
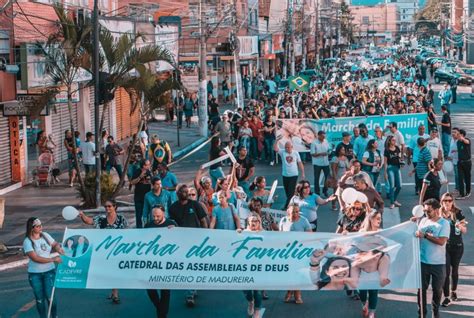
(98, 133)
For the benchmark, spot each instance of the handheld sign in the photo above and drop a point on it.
(272, 192)
(230, 154)
(210, 163)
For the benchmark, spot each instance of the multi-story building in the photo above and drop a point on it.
(376, 24)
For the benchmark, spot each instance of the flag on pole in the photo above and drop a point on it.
(299, 83)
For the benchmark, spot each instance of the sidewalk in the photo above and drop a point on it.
(47, 203)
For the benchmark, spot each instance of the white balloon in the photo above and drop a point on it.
(418, 211)
(362, 198)
(70, 213)
(448, 166)
(349, 195)
(344, 78)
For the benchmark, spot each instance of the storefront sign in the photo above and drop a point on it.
(248, 45)
(187, 258)
(13, 123)
(23, 106)
(61, 97)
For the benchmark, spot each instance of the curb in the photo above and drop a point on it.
(180, 153)
(14, 264)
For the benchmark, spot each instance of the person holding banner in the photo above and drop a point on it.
(38, 246)
(161, 302)
(188, 213)
(433, 232)
(309, 202)
(157, 195)
(454, 246)
(216, 151)
(111, 220)
(224, 215)
(268, 222)
(294, 222)
(254, 297)
(290, 162)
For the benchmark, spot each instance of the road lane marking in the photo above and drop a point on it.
(391, 217)
(26, 307)
(11, 265)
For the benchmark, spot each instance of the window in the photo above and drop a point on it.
(365, 20)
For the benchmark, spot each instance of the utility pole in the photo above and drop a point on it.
(287, 42)
(316, 34)
(96, 76)
(303, 38)
(202, 72)
(235, 46)
(292, 35)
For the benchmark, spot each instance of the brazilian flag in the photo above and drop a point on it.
(299, 83)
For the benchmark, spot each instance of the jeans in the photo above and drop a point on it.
(373, 297)
(269, 152)
(464, 176)
(118, 168)
(216, 174)
(162, 304)
(445, 141)
(139, 213)
(42, 284)
(89, 168)
(254, 154)
(375, 177)
(456, 177)
(454, 254)
(437, 274)
(395, 180)
(245, 141)
(289, 184)
(317, 175)
(255, 296)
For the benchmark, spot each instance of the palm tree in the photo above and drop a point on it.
(146, 92)
(64, 57)
(121, 56)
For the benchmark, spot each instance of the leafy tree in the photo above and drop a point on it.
(347, 26)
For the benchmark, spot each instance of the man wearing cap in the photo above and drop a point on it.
(346, 143)
(434, 145)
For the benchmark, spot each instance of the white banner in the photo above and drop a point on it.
(184, 258)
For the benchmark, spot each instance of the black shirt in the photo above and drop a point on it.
(166, 223)
(393, 156)
(349, 150)
(143, 186)
(455, 237)
(269, 125)
(215, 153)
(188, 215)
(351, 225)
(446, 119)
(464, 150)
(243, 170)
(434, 186)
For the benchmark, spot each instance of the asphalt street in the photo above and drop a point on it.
(16, 297)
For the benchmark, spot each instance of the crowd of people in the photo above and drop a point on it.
(370, 162)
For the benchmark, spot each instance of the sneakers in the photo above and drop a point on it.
(250, 308)
(190, 301)
(392, 206)
(446, 302)
(397, 204)
(256, 313)
(454, 296)
(467, 195)
(272, 163)
(365, 310)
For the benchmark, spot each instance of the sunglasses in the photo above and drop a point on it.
(108, 206)
(358, 209)
(448, 200)
(254, 221)
(38, 225)
(306, 187)
(192, 194)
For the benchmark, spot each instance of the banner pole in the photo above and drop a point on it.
(51, 302)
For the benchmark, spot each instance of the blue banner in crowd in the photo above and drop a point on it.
(302, 132)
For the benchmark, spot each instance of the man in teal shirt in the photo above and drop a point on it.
(156, 196)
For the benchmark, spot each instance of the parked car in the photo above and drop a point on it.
(445, 74)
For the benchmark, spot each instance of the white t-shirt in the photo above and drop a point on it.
(289, 163)
(434, 145)
(320, 147)
(88, 149)
(42, 247)
(143, 137)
